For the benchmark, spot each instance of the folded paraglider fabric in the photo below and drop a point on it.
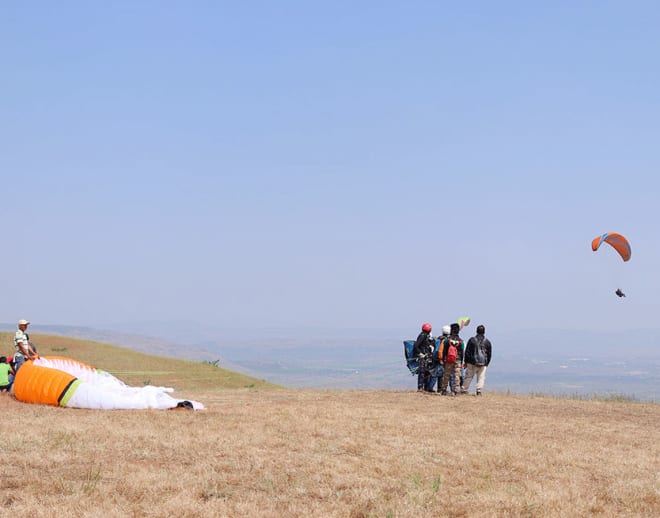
(65, 382)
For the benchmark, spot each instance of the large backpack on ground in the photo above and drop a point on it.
(411, 361)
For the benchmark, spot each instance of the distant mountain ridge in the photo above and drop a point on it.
(524, 361)
(136, 342)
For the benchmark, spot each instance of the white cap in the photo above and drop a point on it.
(23, 322)
(446, 330)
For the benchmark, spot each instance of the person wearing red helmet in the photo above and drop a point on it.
(423, 350)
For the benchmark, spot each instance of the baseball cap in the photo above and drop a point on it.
(23, 322)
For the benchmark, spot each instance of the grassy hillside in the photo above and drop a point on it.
(135, 368)
(333, 453)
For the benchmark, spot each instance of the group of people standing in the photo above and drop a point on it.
(448, 362)
(25, 350)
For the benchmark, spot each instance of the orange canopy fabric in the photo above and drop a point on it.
(616, 241)
(41, 385)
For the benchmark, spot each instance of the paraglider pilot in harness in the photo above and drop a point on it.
(423, 350)
(620, 244)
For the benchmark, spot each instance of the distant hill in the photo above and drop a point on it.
(138, 368)
(546, 361)
(134, 341)
(616, 362)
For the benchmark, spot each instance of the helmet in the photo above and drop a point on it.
(427, 327)
(446, 330)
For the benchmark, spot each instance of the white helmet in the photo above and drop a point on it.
(446, 330)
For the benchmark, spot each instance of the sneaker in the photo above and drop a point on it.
(443, 393)
(183, 405)
(478, 392)
(463, 391)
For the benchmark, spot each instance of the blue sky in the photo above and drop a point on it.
(336, 165)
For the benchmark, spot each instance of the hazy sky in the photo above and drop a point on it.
(338, 164)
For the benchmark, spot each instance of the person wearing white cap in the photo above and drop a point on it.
(24, 349)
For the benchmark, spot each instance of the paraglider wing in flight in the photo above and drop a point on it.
(616, 241)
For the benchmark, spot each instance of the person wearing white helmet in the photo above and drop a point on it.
(24, 349)
(437, 355)
(452, 359)
(446, 329)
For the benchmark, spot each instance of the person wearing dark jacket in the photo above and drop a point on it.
(477, 358)
(437, 357)
(452, 359)
(423, 350)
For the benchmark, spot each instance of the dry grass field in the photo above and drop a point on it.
(259, 450)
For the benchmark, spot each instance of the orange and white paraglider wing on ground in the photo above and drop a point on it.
(65, 382)
(41, 385)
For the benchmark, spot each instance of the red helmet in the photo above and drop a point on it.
(427, 327)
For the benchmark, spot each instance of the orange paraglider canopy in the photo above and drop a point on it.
(42, 385)
(616, 241)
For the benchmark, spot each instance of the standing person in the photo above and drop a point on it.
(440, 370)
(452, 359)
(6, 374)
(24, 349)
(432, 378)
(477, 357)
(423, 350)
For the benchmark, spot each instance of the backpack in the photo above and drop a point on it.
(411, 362)
(479, 352)
(452, 350)
(439, 347)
